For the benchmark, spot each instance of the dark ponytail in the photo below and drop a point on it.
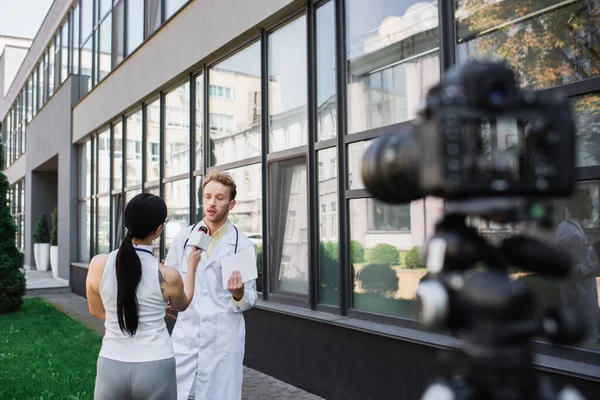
(143, 215)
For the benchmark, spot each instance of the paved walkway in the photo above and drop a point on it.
(256, 384)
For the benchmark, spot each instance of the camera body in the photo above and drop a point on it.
(477, 135)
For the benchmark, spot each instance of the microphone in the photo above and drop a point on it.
(199, 238)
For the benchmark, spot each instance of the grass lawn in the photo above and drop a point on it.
(45, 354)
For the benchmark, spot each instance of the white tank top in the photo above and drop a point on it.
(151, 341)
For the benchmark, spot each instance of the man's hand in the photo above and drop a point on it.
(235, 285)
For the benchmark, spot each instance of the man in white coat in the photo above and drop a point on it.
(209, 337)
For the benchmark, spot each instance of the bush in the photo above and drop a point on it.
(329, 273)
(384, 254)
(12, 279)
(357, 252)
(54, 233)
(378, 279)
(413, 259)
(41, 230)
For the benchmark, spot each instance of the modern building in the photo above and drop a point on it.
(116, 97)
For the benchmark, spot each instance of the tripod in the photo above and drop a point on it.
(470, 293)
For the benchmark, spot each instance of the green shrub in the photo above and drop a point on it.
(41, 230)
(54, 233)
(378, 279)
(12, 279)
(329, 272)
(413, 259)
(385, 254)
(357, 252)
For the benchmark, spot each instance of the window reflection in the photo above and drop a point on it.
(177, 198)
(85, 219)
(177, 134)
(329, 271)
(235, 107)
(119, 33)
(155, 190)
(563, 42)
(135, 24)
(355, 154)
(117, 153)
(393, 60)
(287, 86)
(105, 54)
(326, 72)
(103, 162)
(587, 114)
(288, 241)
(386, 241)
(153, 16)
(153, 141)
(86, 67)
(133, 171)
(247, 213)
(172, 6)
(103, 225)
(576, 230)
(199, 146)
(85, 169)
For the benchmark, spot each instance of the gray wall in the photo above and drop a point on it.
(49, 136)
(199, 30)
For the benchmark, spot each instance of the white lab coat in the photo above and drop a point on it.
(209, 337)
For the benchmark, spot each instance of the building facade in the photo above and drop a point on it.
(117, 97)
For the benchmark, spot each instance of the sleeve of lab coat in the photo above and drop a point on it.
(249, 298)
(174, 255)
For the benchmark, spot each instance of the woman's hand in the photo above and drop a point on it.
(194, 258)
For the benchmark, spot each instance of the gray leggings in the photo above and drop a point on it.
(153, 380)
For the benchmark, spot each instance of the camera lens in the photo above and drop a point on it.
(390, 167)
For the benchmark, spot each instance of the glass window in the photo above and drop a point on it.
(135, 24)
(288, 223)
(105, 54)
(329, 270)
(562, 41)
(235, 128)
(86, 67)
(35, 92)
(64, 64)
(117, 220)
(57, 66)
(85, 219)
(177, 198)
(119, 34)
(29, 100)
(104, 7)
(76, 42)
(156, 244)
(383, 282)
(133, 133)
(51, 69)
(177, 131)
(85, 169)
(103, 225)
(392, 60)
(117, 155)
(171, 6)
(87, 16)
(355, 154)
(200, 126)
(153, 141)
(103, 163)
(41, 72)
(247, 213)
(287, 86)
(326, 72)
(153, 16)
(587, 114)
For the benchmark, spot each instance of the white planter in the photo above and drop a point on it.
(43, 261)
(36, 255)
(54, 260)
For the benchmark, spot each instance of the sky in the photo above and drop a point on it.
(22, 18)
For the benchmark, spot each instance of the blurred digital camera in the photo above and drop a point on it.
(477, 135)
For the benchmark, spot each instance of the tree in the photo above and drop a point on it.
(12, 278)
(551, 49)
(54, 232)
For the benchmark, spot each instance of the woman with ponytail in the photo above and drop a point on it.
(130, 289)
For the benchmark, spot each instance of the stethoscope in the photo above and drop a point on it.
(237, 236)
